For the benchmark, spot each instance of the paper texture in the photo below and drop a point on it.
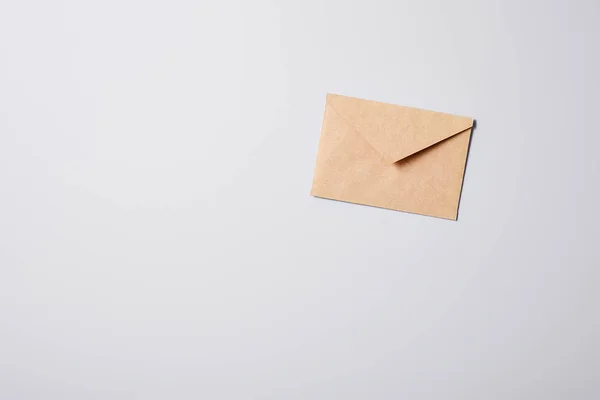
(390, 156)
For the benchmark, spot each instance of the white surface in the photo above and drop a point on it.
(157, 239)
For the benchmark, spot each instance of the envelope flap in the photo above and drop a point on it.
(395, 131)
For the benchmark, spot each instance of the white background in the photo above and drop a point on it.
(158, 240)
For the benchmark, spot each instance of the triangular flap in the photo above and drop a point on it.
(395, 131)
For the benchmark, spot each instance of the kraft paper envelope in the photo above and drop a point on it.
(391, 156)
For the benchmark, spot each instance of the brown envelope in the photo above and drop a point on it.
(391, 156)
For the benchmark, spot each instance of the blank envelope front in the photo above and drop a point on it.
(389, 156)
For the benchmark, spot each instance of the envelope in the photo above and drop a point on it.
(390, 156)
